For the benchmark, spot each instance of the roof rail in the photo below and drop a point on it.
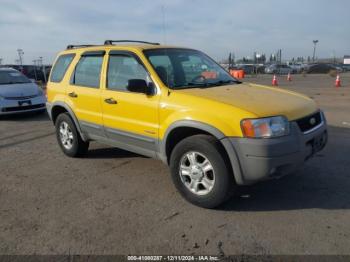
(110, 42)
(78, 46)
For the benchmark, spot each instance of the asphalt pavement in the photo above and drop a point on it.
(117, 202)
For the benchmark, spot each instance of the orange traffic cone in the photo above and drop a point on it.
(289, 77)
(337, 82)
(274, 81)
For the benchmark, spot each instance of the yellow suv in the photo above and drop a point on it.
(179, 106)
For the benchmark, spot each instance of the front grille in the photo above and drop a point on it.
(20, 97)
(22, 108)
(309, 122)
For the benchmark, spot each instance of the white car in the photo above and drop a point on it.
(278, 69)
(297, 67)
(19, 94)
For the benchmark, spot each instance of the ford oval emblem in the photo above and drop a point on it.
(312, 121)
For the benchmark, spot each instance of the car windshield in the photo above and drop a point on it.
(185, 68)
(12, 77)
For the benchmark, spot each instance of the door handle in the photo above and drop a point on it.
(73, 94)
(111, 101)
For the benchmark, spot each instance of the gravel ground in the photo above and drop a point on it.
(116, 202)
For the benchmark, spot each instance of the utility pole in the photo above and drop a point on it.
(315, 43)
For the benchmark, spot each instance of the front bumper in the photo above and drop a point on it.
(9, 107)
(261, 159)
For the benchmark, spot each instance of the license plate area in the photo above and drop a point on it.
(25, 103)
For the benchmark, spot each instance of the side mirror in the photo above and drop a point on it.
(141, 86)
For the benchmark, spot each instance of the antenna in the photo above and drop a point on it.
(163, 24)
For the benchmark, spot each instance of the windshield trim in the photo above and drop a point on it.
(199, 85)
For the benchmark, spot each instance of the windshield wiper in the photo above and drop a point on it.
(206, 84)
(19, 82)
(191, 85)
(224, 82)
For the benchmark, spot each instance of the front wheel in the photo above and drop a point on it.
(69, 138)
(200, 171)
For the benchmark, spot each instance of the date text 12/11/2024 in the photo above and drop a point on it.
(173, 258)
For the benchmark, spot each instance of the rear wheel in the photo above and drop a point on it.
(200, 171)
(69, 138)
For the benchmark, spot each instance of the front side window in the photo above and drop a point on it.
(185, 68)
(12, 77)
(121, 69)
(88, 71)
(61, 67)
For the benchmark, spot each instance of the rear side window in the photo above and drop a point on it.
(61, 67)
(87, 71)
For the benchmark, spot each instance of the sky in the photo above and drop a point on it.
(43, 27)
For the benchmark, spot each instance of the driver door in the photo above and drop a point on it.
(130, 119)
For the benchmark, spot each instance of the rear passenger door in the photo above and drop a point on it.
(84, 93)
(130, 118)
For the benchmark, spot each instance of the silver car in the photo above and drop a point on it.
(278, 69)
(19, 94)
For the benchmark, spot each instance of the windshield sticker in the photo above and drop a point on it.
(209, 75)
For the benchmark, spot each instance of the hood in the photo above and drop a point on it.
(260, 100)
(18, 90)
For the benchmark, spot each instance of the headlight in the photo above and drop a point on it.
(265, 127)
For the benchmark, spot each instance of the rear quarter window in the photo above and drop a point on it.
(60, 67)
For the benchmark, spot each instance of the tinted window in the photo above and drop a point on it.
(12, 77)
(88, 71)
(122, 68)
(61, 67)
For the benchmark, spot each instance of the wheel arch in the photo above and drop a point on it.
(58, 108)
(185, 128)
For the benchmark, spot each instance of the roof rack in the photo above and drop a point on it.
(78, 46)
(110, 42)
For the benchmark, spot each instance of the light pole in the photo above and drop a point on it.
(42, 67)
(20, 56)
(34, 62)
(315, 43)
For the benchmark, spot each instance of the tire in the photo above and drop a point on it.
(75, 147)
(220, 179)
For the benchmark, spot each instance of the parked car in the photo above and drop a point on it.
(296, 67)
(18, 94)
(179, 106)
(278, 69)
(320, 68)
(346, 67)
(33, 72)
